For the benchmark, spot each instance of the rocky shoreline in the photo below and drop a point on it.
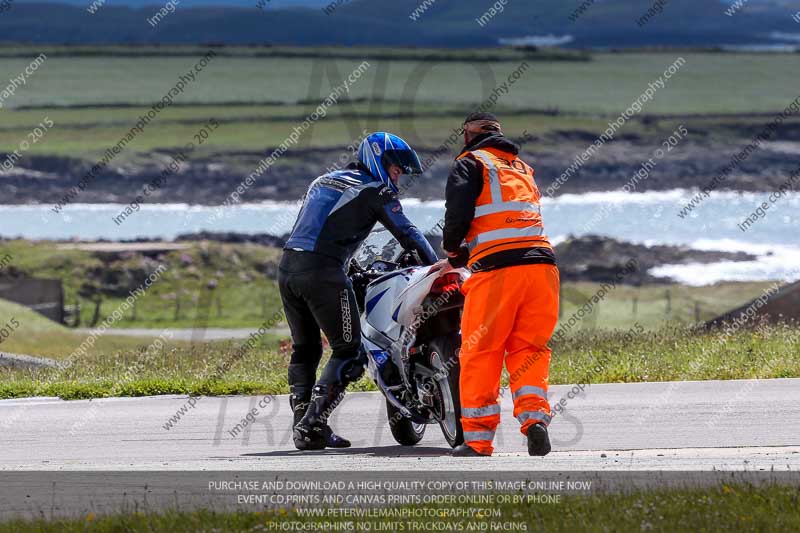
(589, 258)
(211, 180)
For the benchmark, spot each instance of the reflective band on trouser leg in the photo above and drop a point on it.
(480, 412)
(484, 330)
(479, 425)
(528, 357)
(536, 416)
(478, 436)
(530, 390)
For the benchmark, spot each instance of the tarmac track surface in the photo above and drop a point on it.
(706, 425)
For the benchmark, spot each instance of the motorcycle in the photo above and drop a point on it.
(411, 330)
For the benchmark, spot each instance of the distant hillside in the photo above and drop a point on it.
(450, 23)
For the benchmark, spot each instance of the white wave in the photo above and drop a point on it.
(537, 40)
(606, 197)
(759, 249)
(784, 36)
(773, 263)
(669, 195)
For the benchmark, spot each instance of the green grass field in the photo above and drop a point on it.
(734, 507)
(244, 293)
(606, 84)
(424, 99)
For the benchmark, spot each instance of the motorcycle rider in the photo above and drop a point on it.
(338, 213)
(511, 299)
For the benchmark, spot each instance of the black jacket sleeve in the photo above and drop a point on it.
(390, 214)
(464, 185)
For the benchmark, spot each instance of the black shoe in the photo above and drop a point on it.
(538, 440)
(332, 440)
(308, 438)
(466, 451)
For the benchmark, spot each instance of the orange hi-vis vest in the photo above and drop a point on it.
(507, 212)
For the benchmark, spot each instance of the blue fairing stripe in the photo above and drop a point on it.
(374, 301)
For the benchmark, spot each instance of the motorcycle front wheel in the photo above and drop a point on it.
(443, 358)
(404, 430)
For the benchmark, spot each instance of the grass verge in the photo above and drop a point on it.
(721, 508)
(589, 356)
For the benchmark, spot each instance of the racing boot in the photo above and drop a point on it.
(310, 432)
(538, 440)
(332, 440)
(301, 383)
(299, 408)
(299, 403)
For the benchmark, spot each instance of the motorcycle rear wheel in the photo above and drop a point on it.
(443, 358)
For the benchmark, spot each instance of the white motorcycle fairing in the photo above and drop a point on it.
(391, 306)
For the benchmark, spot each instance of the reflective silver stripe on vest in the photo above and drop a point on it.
(489, 209)
(494, 179)
(532, 415)
(530, 390)
(477, 412)
(471, 436)
(509, 233)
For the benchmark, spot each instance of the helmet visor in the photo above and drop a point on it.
(405, 159)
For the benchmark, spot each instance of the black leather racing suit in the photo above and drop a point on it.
(339, 211)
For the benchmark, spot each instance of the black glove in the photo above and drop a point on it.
(460, 260)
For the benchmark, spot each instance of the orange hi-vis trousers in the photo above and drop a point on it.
(509, 314)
